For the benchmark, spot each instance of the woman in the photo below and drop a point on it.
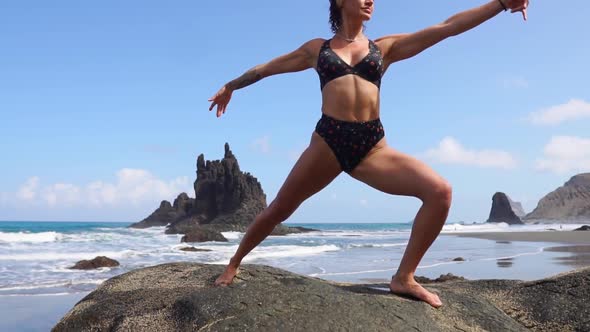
(349, 136)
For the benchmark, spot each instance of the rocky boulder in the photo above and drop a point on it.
(193, 249)
(203, 234)
(284, 230)
(502, 210)
(97, 262)
(442, 278)
(180, 297)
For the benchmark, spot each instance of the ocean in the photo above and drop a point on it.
(35, 256)
(37, 287)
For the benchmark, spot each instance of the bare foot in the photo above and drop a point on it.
(227, 276)
(414, 289)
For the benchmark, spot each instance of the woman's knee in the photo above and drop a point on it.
(441, 193)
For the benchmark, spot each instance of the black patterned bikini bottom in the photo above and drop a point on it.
(350, 141)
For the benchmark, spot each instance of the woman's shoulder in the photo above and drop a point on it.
(316, 42)
(314, 45)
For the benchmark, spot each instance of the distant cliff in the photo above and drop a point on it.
(226, 199)
(517, 208)
(568, 203)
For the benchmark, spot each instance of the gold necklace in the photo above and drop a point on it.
(350, 40)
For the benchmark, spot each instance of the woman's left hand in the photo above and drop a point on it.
(518, 6)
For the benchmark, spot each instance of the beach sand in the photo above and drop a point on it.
(565, 237)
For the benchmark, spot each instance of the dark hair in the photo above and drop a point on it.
(335, 16)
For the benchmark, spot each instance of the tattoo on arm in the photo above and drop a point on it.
(250, 77)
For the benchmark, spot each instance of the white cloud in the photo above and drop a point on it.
(132, 187)
(28, 191)
(262, 144)
(62, 193)
(450, 151)
(515, 82)
(572, 110)
(565, 154)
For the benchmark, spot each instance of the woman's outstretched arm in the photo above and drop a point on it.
(298, 60)
(402, 46)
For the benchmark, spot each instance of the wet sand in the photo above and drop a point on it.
(574, 243)
(579, 255)
(565, 237)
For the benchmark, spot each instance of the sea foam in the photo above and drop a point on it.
(25, 237)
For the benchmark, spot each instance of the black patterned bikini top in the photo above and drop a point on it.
(330, 66)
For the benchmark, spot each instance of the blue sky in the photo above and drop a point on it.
(104, 104)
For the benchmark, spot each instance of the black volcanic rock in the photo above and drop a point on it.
(502, 210)
(569, 203)
(284, 230)
(98, 261)
(168, 213)
(193, 249)
(583, 228)
(202, 234)
(226, 199)
(443, 278)
(181, 297)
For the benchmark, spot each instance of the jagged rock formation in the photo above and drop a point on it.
(226, 199)
(180, 297)
(168, 213)
(568, 203)
(95, 263)
(502, 210)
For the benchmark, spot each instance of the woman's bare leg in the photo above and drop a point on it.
(395, 173)
(316, 168)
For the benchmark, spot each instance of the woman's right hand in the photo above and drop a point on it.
(518, 6)
(221, 99)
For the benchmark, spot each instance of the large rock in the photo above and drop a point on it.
(203, 235)
(569, 203)
(226, 198)
(95, 263)
(558, 303)
(193, 249)
(168, 213)
(284, 230)
(502, 210)
(180, 297)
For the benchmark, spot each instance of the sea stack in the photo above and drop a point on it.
(226, 199)
(502, 210)
(224, 195)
